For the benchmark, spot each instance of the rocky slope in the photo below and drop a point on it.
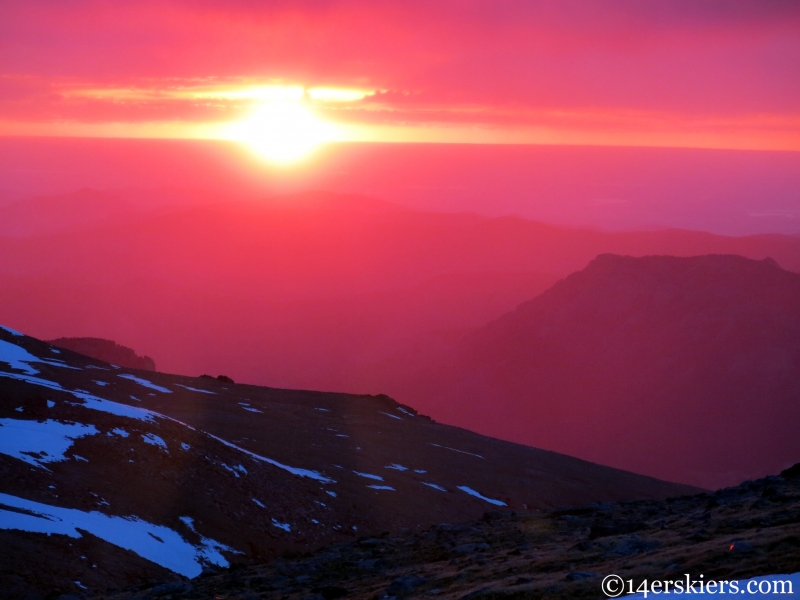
(733, 534)
(111, 477)
(682, 368)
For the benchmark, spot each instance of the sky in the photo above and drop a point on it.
(677, 73)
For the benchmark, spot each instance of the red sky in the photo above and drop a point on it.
(698, 73)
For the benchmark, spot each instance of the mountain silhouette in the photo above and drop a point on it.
(107, 351)
(682, 368)
(314, 291)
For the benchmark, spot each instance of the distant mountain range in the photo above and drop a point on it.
(112, 477)
(349, 294)
(313, 291)
(682, 368)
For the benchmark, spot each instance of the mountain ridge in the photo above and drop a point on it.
(606, 362)
(320, 309)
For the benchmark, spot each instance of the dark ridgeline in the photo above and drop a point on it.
(107, 351)
(682, 368)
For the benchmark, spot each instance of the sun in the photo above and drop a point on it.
(283, 131)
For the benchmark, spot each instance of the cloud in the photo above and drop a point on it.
(451, 61)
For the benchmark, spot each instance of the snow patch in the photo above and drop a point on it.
(145, 383)
(50, 404)
(381, 487)
(279, 525)
(259, 503)
(434, 486)
(120, 432)
(156, 543)
(390, 415)
(12, 331)
(293, 470)
(472, 492)
(154, 440)
(396, 467)
(101, 383)
(18, 358)
(236, 469)
(191, 389)
(38, 442)
(454, 450)
(369, 476)
(189, 522)
(330, 493)
(185, 446)
(89, 401)
(403, 410)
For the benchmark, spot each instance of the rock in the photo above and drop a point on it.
(471, 548)
(792, 472)
(176, 587)
(331, 592)
(741, 546)
(580, 575)
(601, 530)
(476, 594)
(633, 545)
(404, 585)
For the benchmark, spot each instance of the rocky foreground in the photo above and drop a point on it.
(114, 478)
(735, 533)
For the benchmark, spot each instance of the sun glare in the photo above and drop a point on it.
(283, 132)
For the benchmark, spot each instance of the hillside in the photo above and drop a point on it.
(732, 535)
(111, 477)
(683, 368)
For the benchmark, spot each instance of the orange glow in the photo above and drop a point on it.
(283, 132)
(243, 90)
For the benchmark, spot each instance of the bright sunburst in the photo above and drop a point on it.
(283, 131)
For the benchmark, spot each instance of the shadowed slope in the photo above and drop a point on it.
(682, 368)
(138, 470)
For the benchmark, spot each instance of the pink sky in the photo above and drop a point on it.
(713, 73)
